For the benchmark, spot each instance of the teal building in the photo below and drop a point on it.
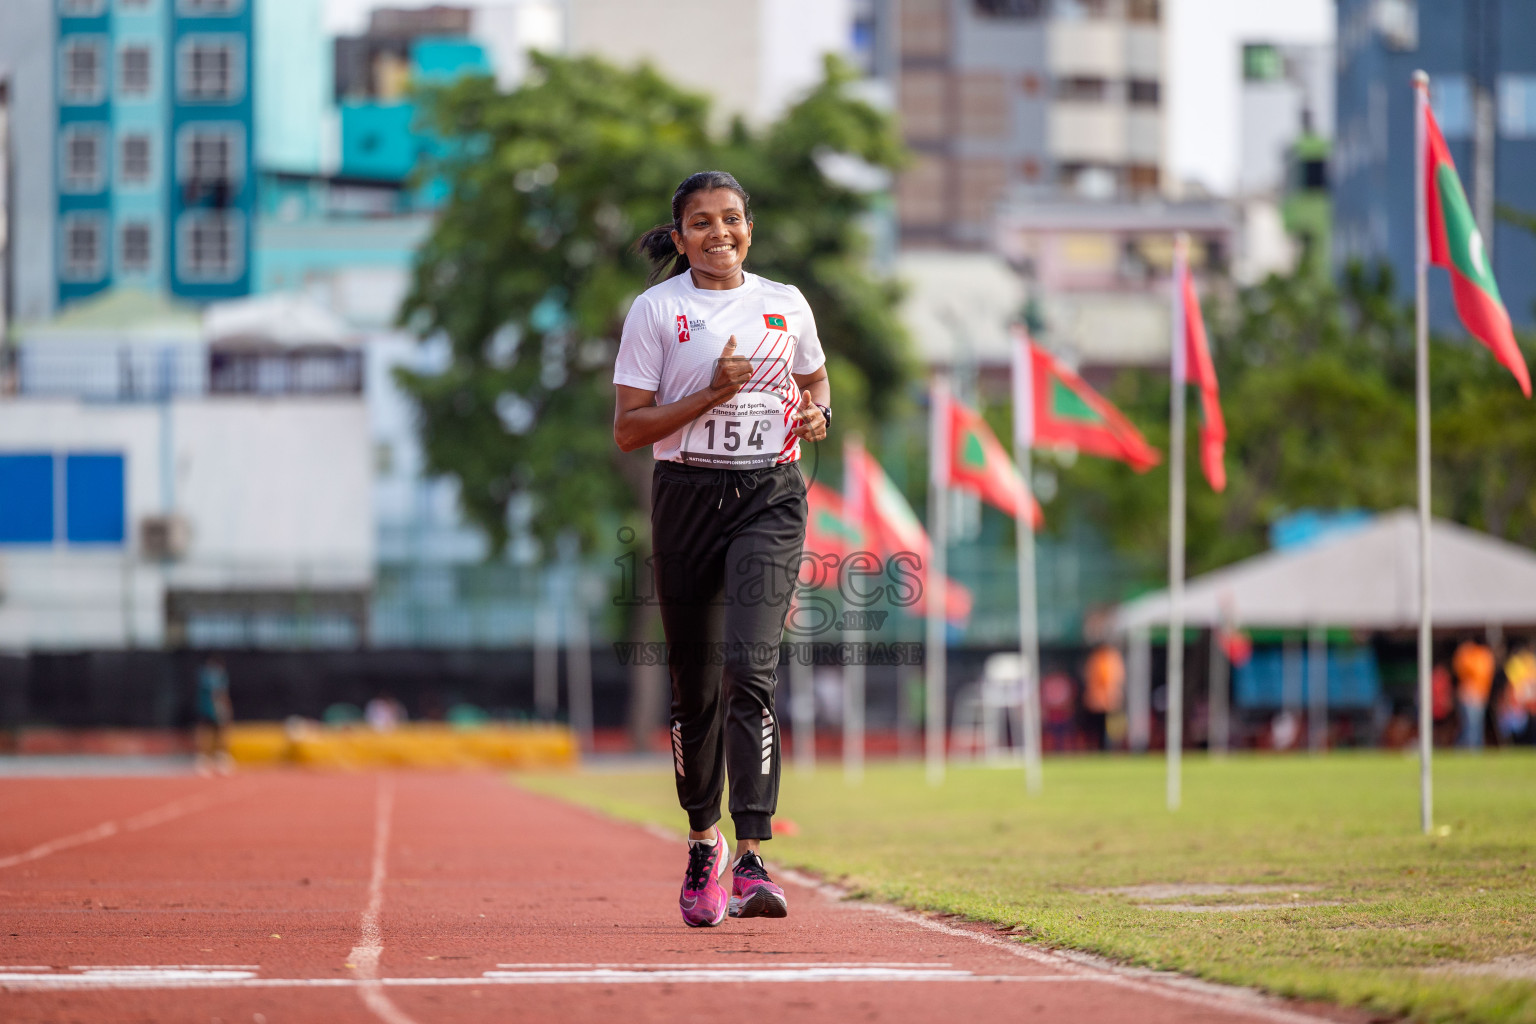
(155, 160)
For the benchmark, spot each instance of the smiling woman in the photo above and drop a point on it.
(727, 514)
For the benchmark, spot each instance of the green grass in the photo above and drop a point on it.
(1409, 906)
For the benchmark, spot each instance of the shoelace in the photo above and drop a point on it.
(699, 856)
(751, 866)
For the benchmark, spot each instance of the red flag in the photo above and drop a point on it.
(891, 528)
(1202, 373)
(978, 463)
(1055, 408)
(1457, 245)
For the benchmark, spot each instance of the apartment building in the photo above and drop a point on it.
(1026, 99)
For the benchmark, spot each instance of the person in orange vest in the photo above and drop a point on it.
(1473, 664)
(1103, 690)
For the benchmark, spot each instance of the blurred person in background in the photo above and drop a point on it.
(1103, 692)
(211, 732)
(1474, 666)
(1519, 701)
(384, 713)
(728, 513)
(1442, 705)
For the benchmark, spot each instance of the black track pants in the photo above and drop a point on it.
(727, 550)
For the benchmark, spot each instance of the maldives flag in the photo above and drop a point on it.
(892, 528)
(1055, 408)
(1202, 373)
(1456, 244)
(978, 463)
(828, 529)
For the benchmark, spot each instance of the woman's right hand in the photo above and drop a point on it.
(731, 371)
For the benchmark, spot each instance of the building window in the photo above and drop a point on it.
(84, 163)
(1073, 10)
(1145, 92)
(210, 246)
(1517, 106)
(84, 256)
(1010, 8)
(82, 8)
(203, 8)
(134, 163)
(133, 70)
(210, 155)
(82, 70)
(1082, 87)
(1142, 177)
(1451, 98)
(135, 253)
(211, 69)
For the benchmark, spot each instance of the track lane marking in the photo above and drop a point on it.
(177, 981)
(370, 942)
(738, 965)
(157, 816)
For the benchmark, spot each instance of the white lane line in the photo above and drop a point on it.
(738, 974)
(928, 964)
(157, 816)
(370, 943)
(1085, 967)
(169, 981)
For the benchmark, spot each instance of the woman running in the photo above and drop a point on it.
(721, 373)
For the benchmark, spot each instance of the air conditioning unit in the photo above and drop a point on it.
(164, 538)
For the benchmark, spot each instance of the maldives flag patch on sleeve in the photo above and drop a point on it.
(775, 322)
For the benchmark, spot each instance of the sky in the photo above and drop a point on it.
(1203, 74)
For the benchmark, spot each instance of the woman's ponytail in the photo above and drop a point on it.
(657, 246)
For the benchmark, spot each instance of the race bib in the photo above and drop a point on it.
(747, 432)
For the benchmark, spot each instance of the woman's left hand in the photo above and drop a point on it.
(810, 424)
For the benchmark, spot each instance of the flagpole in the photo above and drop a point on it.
(1421, 358)
(854, 486)
(937, 652)
(1175, 721)
(1024, 533)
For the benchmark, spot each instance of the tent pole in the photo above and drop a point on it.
(1220, 707)
(1317, 690)
(1138, 700)
(1421, 391)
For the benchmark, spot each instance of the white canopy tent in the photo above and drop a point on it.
(1366, 578)
(278, 320)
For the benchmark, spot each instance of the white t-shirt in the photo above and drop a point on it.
(674, 334)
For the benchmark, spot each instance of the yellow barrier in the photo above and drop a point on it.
(412, 745)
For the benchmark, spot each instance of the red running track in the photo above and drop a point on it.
(448, 897)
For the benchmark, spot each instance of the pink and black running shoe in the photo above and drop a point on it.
(753, 893)
(703, 899)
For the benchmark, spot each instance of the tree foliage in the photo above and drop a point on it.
(1317, 384)
(530, 269)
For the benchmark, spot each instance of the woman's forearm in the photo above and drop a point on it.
(646, 424)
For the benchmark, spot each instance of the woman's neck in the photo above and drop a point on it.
(716, 284)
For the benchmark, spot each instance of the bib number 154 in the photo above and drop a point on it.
(730, 434)
(745, 433)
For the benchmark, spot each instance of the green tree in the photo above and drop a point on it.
(530, 270)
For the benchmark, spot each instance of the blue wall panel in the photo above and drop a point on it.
(93, 510)
(26, 498)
